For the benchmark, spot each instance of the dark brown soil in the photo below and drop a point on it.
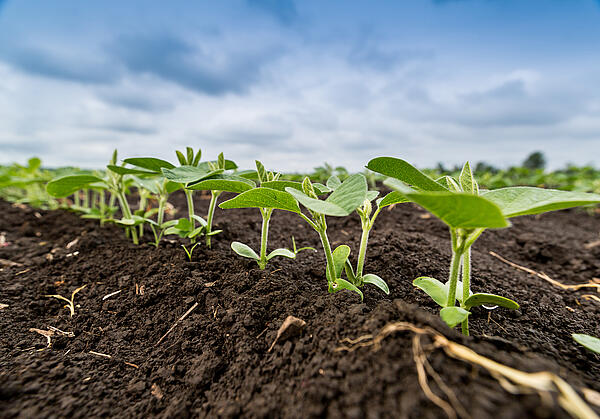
(216, 363)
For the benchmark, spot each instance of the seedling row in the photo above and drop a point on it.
(457, 201)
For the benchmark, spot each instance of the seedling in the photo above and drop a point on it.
(367, 222)
(191, 174)
(347, 197)
(263, 177)
(459, 204)
(589, 342)
(114, 181)
(71, 302)
(190, 252)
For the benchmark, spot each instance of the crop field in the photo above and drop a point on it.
(197, 288)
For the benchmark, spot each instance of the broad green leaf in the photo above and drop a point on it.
(173, 186)
(393, 197)
(262, 198)
(169, 223)
(482, 298)
(228, 183)
(248, 174)
(467, 181)
(187, 174)
(377, 281)
(340, 256)
(526, 200)
(149, 184)
(67, 185)
(333, 182)
(120, 170)
(183, 224)
(244, 250)
(398, 185)
(589, 342)
(280, 185)
(461, 210)
(342, 284)
(34, 163)
(454, 315)
(316, 205)
(405, 172)
(149, 163)
(350, 194)
(437, 290)
(282, 252)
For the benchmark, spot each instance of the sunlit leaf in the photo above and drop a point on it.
(589, 342)
(438, 291)
(454, 315)
(526, 200)
(404, 171)
(491, 299)
(377, 281)
(282, 252)
(262, 198)
(67, 185)
(244, 250)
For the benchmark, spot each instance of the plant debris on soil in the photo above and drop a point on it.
(156, 335)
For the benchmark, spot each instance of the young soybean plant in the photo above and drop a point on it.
(114, 181)
(262, 199)
(346, 197)
(191, 174)
(367, 218)
(467, 212)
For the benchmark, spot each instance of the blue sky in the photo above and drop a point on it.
(297, 83)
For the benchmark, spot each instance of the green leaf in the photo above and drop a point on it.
(482, 298)
(196, 232)
(221, 161)
(214, 232)
(262, 198)
(340, 256)
(467, 181)
(346, 198)
(282, 252)
(377, 281)
(181, 158)
(342, 284)
(229, 165)
(437, 290)
(350, 271)
(460, 210)
(398, 185)
(200, 220)
(67, 185)
(280, 185)
(244, 250)
(190, 155)
(149, 163)
(188, 174)
(196, 161)
(405, 172)
(333, 182)
(454, 315)
(589, 342)
(120, 170)
(393, 197)
(227, 183)
(526, 200)
(371, 195)
(261, 171)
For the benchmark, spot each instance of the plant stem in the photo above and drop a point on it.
(211, 212)
(162, 203)
(76, 199)
(466, 280)
(266, 216)
(327, 249)
(127, 214)
(362, 252)
(86, 199)
(189, 195)
(454, 269)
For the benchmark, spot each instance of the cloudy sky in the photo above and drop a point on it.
(297, 83)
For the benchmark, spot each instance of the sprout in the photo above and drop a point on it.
(71, 302)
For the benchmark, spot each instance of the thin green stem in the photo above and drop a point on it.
(466, 280)
(266, 216)
(86, 199)
(162, 203)
(211, 213)
(76, 199)
(189, 195)
(454, 270)
(362, 252)
(127, 214)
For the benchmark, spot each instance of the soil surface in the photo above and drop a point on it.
(111, 362)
